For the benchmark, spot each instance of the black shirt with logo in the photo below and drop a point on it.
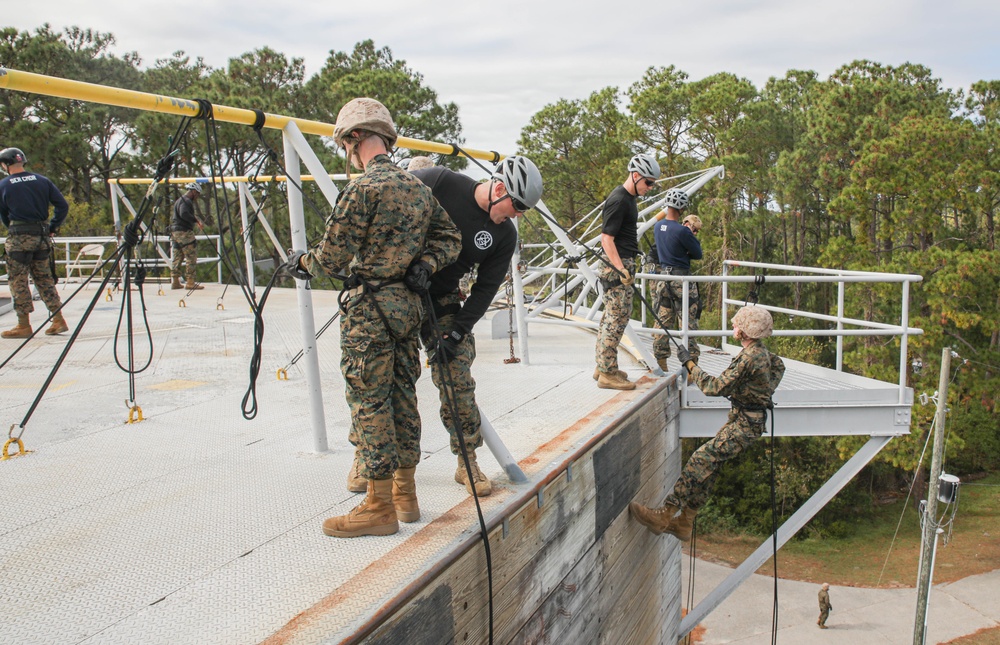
(484, 242)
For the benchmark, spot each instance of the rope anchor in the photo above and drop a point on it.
(282, 374)
(12, 441)
(134, 413)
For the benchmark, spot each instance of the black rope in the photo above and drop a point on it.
(449, 393)
(131, 235)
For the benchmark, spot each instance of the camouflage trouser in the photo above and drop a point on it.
(463, 389)
(823, 615)
(668, 303)
(381, 371)
(29, 254)
(696, 480)
(184, 251)
(617, 311)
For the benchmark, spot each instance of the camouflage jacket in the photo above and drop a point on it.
(750, 379)
(383, 220)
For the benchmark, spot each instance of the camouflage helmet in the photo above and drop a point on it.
(365, 114)
(755, 322)
(694, 222)
(420, 162)
(10, 156)
(676, 198)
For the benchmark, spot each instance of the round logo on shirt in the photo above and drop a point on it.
(483, 240)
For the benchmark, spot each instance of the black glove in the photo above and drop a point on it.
(53, 229)
(293, 266)
(418, 276)
(447, 347)
(683, 355)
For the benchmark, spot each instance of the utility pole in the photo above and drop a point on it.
(928, 542)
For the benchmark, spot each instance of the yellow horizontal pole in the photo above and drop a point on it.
(259, 179)
(19, 81)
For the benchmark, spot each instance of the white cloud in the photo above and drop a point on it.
(502, 62)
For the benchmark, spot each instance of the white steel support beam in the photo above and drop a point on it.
(247, 239)
(297, 221)
(792, 526)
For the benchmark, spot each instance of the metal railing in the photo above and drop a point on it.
(844, 325)
(70, 247)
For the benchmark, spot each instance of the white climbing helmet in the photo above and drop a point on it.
(521, 179)
(193, 186)
(676, 198)
(645, 165)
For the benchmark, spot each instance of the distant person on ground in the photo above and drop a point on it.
(385, 222)
(620, 243)
(183, 241)
(676, 246)
(824, 605)
(25, 198)
(748, 383)
(482, 212)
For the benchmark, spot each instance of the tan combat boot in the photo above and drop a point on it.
(656, 520)
(193, 286)
(621, 375)
(21, 330)
(483, 485)
(58, 325)
(175, 283)
(374, 516)
(355, 482)
(606, 382)
(662, 362)
(404, 495)
(682, 524)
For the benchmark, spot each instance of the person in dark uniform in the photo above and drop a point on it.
(25, 198)
(676, 245)
(620, 242)
(748, 383)
(183, 241)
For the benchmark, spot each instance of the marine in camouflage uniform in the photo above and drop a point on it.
(748, 383)
(183, 241)
(25, 198)
(382, 222)
(824, 605)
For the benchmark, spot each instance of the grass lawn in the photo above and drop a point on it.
(858, 561)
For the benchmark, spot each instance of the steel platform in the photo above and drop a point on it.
(198, 526)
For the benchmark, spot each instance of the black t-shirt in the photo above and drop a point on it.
(676, 245)
(484, 242)
(621, 216)
(184, 217)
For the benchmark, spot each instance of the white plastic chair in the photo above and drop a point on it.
(89, 257)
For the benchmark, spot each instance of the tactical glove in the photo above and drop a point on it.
(448, 346)
(418, 276)
(627, 278)
(294, 267)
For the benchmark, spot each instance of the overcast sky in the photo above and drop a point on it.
(503, 61)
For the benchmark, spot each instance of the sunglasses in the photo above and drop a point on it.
(649, 182)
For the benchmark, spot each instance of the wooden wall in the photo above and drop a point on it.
(570, 565)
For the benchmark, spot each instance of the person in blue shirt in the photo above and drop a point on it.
(676, 245)
(25, 198)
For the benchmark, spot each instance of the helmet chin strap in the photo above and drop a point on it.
(489, 207)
